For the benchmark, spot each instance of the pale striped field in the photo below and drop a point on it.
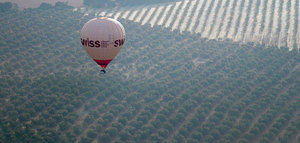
(269, 22)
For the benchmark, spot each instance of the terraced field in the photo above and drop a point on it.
(269, 22)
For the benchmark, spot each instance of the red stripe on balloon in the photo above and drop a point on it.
(103, 63)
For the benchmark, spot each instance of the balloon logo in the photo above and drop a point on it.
(102, 38)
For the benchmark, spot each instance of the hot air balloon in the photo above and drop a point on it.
(103, 38)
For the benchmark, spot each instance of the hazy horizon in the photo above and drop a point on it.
(36, 3)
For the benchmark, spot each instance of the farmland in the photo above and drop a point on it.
(272, 22)
(182, 75)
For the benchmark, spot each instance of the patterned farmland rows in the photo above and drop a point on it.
(264, 111)
(212, 93)
(172, 114)
(270, 131)
(227, 112)
(272, 22)
(252, 102)
(150, 119)
(174, 81)
(283, 134)
(188, 90)
(95, 112)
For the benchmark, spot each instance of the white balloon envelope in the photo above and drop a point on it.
(102, 39)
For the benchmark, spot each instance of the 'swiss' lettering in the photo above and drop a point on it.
(119, 42)
(100, 44)
(97, 43)
(90, 43)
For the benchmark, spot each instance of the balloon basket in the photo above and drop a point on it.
(102, 71)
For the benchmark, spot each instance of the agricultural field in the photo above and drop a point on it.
(272, 22)
(182, 75)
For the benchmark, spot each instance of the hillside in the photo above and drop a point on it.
(22, 4)
(164, 86)
(271, 22)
